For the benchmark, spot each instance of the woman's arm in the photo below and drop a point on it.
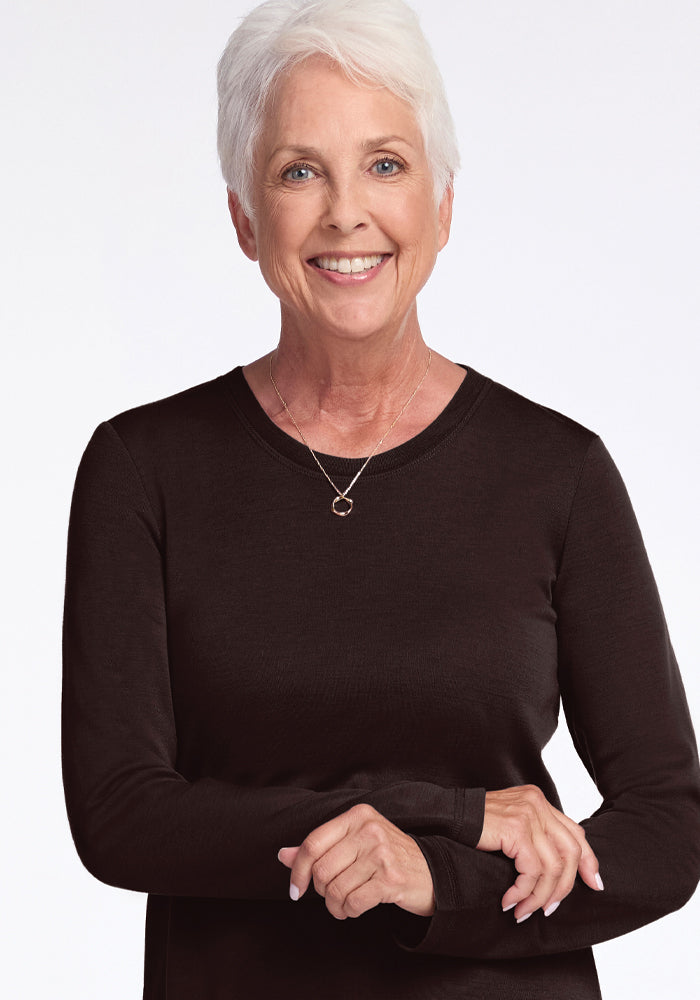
(626, 709)
(138, 823)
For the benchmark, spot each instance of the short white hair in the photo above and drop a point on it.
(375, 42)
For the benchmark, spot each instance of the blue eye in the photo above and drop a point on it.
(387, 167)
(300, 172)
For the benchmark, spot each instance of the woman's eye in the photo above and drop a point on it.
(385, 168)
(298, 173)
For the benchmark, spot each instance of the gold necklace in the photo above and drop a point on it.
(342, 495)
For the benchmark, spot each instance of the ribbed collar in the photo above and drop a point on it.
(457, 411)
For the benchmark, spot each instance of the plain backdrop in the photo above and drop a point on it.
(571, 276)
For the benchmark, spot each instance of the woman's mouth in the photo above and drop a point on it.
(349, 265)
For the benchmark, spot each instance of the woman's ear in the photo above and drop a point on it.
(445, 215)
(243, 226)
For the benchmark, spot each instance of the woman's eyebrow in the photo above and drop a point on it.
(367, 144)
(296, 151)
(382, 140)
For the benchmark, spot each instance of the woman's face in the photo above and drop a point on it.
(346, 228)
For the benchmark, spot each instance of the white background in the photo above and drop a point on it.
(571, 276)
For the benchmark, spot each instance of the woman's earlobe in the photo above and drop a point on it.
(243, 226)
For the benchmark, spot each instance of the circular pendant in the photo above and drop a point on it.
(342, 512)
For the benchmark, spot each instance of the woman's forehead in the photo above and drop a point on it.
(315, 103)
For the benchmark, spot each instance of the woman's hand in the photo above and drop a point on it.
(360, 859)
(548, 849)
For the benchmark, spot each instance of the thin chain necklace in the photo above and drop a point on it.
(342, 495)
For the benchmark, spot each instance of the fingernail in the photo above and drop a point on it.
(599, 881)
(506, 908)
(278, 853)
(526, 917)
(293, 891)
(550, 909)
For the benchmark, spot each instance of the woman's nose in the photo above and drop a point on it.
(345, 208)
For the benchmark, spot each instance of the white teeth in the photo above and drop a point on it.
(349, 265)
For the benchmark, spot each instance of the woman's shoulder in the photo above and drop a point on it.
(169, 427)
(166, 415)
(165, 435)
(516, 421)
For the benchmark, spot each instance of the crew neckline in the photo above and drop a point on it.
(457, 410)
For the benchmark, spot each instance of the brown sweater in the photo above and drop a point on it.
(240, 666)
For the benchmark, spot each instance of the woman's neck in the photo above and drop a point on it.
(351, 384)
(344, 395)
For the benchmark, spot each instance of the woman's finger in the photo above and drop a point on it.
(521, 889)
(560, 853)
(551, 866)
(514, 824)
(287, 855)
(313, 847)
(548, 849)
(570, 854)
(337, 875)
(528, 864)
(588, 866)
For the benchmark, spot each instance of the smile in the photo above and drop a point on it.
(348, 265)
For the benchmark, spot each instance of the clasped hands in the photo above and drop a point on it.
(360, 859)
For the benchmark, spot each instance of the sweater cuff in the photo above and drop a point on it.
(412, 932)
(470, 816)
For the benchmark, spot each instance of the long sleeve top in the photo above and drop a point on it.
(240, 666)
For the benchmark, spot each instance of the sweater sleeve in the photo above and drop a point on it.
(137, 823)
(627, 713)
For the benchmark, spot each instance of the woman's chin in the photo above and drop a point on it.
(357, 328)
(356, 321)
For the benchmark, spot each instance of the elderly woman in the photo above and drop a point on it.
(321, 610)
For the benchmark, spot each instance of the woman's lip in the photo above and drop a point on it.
(340, 278)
